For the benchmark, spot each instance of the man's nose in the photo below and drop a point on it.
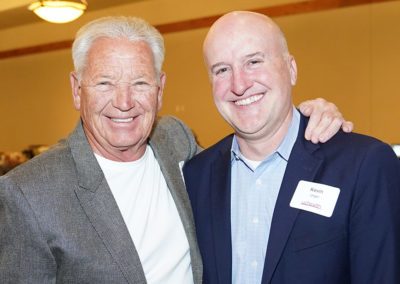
(123, 97)
(240, 82)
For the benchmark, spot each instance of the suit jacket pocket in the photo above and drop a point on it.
(318, 238)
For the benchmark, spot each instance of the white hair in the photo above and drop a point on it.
(131, 28)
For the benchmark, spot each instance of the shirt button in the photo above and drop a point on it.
(255, 220)
(254, 264)
(258, 181)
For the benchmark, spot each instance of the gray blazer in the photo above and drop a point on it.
(59, 222)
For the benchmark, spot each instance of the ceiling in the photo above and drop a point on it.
(15, 12)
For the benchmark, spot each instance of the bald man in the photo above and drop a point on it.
(270, 206)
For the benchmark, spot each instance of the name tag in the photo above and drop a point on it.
(315, 197)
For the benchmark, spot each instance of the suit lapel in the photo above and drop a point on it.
(101, 209)
(221, 212)
(303, 164)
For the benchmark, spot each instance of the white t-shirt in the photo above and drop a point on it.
(150, 214)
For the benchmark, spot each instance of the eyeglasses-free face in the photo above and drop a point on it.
(118, 97)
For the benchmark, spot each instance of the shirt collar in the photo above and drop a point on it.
(285, 148)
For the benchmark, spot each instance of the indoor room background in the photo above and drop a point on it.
(349, 55)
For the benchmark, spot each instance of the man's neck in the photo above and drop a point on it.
(261, 147)
(118, 154)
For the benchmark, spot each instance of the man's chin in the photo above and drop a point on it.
(126, 145)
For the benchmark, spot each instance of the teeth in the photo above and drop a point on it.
(249, 100)
(122, 119)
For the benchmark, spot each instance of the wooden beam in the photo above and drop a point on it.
(36, 49)
(274, 11)
(312, 6)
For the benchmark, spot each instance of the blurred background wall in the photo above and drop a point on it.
(348, 55)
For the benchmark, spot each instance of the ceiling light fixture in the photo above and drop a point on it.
(59, 12)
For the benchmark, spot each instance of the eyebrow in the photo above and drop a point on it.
(217, 65)
(245, 57)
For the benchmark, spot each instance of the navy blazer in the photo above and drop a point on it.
(359, 243)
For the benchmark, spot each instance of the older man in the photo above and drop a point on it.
(108, 203)
(271, 207)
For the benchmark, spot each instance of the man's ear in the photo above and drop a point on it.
(163, 77)
(292, 70)
(76, 90)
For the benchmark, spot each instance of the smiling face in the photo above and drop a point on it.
(118, 97)
(250, 73)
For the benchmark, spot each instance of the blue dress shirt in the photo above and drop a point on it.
(254, 192)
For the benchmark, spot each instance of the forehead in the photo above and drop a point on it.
(119, 53)
(234, 40)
